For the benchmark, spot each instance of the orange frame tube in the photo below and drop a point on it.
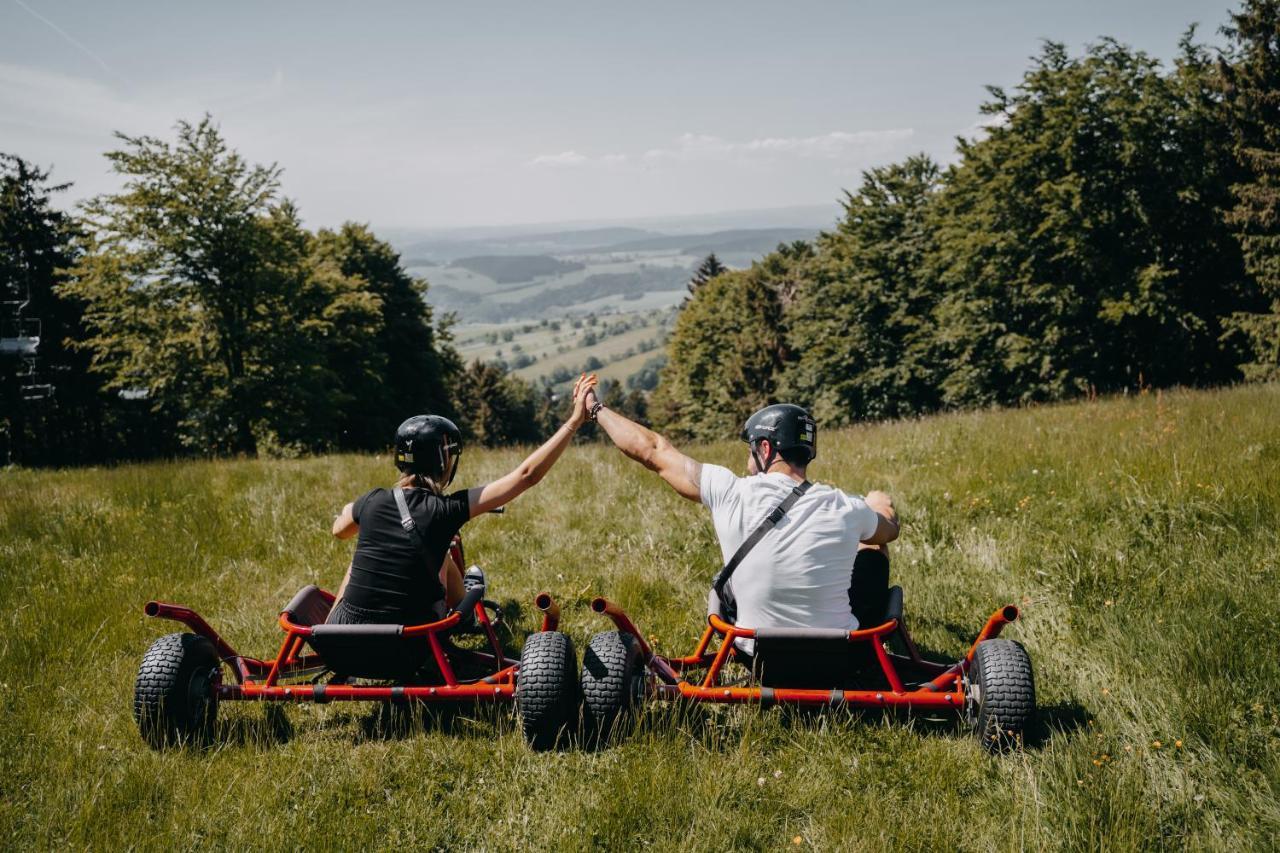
(930, 694)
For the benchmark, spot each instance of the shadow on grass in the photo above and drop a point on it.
(1059, 718)
(272, 728)
(387, 721)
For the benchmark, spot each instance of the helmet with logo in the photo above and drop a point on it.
(430, 445)
(787, 428)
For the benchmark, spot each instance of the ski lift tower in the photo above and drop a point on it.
(20, 338)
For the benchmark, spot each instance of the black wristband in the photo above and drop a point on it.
(595, 410)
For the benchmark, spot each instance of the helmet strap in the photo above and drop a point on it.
(755, 454)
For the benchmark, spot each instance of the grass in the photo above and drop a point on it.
(1138, 534)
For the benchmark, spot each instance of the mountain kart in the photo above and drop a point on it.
(992, 686)
(181, 683)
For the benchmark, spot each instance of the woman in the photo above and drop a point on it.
(402, 576)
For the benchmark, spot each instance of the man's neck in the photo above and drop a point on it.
(797, 474)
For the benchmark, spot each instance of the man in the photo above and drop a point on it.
(799, 574)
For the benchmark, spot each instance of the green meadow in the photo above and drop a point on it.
(1138, 535)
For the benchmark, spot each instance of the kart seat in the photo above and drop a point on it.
(820, 658)
(370, 651)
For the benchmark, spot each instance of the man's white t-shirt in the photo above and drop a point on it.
(798, 575)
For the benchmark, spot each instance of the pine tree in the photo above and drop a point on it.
(707, 270)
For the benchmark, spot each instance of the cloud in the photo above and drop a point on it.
(837, 145)
(573, 158)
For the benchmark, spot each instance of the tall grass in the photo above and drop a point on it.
(1139, 535)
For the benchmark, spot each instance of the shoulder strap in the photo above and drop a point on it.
(406, 520)
(753, 540)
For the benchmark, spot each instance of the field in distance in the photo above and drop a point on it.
(1139, 536)
(623, 346)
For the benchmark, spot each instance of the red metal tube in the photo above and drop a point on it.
(550, 611)
(782, 695)
(355, 693)
(192, 620)
(992, 629)
(656, 662)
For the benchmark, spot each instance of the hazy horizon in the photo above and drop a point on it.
(499, 116)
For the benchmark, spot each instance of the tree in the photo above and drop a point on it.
(404, 365)
(1078, 243)
(202, 296)
(707, 270)
(861, 325)
(495, 408)
(1251, 87)
(728, 348)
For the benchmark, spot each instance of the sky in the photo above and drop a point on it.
(439, 115)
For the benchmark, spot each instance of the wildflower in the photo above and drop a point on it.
(1128, 748)
(1108, 603)
(1106, 757)
(1155, 744)
(1097, 763)
(1080, 782)
(760, 781)
(777, 774)
(798, 840)
(1106, 692)
(1177, 744)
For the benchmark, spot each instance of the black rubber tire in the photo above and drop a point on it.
(547, 696)
(174, 697)
(612, 683)
(1000, 695)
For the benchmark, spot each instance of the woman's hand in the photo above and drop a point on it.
(582, 389)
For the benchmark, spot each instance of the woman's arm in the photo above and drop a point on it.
(451, 580)
(539, 462)
(344, 526)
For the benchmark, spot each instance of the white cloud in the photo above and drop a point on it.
(692, 147)
(573, 158)
(836, 145)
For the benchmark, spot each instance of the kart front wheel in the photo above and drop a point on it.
(175, 699)
(1000, 694)
(547, 689)
(613, 680)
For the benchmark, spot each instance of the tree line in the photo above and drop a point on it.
(191, 313)
(1114, 226)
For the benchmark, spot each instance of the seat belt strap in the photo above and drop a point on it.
(406, 520)
(770, 521)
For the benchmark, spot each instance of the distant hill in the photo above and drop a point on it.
(740, 240)
(509, 269)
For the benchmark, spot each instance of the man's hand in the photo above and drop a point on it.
(887, 527)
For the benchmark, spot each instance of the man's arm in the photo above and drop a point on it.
(653, 452)
(886, 518)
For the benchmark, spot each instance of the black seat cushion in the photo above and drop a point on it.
(308, 606)
(371, 651)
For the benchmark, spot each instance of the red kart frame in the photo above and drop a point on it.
(669, 676)
(260, 680)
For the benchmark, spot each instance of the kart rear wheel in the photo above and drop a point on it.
(1000, 695)
(613, 681)
(175, 699)
(547, 689)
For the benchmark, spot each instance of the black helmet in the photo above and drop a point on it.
(787, 427)
(431, 445)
